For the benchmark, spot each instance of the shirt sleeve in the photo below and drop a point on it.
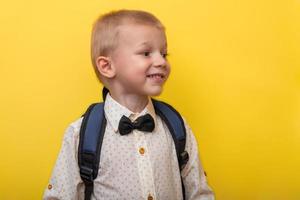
(65, 178)
(194, 179)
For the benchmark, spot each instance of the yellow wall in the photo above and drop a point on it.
(235, 77)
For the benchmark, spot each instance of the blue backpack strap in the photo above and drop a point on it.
(176, 126)
(91, 136)
(177, 129)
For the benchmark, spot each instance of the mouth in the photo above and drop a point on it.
(157, 77)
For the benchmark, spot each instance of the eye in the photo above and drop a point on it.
(146, 53)
(165, 55)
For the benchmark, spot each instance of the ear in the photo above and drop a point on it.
(104, 67)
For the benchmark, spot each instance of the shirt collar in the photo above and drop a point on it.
(114, 111)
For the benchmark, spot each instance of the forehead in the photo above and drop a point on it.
(138, 35)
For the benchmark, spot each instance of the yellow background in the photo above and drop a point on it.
(235, 77)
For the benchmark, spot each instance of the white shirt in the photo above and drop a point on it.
(140, 165)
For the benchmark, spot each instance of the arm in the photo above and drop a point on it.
(196, 187)
(65, 177)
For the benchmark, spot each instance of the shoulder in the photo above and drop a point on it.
(184, 122)
(73, 129)
(162, 105)
(173, 108)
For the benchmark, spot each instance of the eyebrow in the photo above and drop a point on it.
(147, 43)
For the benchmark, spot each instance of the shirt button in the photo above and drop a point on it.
(142, 151)
(49, 187)
(150, 197)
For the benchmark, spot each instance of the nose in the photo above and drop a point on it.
(159, 60)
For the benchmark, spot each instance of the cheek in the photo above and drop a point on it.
(141, 67)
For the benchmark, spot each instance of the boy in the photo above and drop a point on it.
(129, 50)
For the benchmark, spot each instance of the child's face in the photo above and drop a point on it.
(140, 60)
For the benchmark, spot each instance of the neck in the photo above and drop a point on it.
(133, 102)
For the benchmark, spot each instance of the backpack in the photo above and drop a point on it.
(92, 131)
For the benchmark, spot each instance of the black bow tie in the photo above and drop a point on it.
(142, 123)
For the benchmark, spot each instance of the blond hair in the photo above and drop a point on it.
(105, 31)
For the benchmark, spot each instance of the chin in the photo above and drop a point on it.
(155, 92)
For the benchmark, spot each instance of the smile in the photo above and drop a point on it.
(156, 78)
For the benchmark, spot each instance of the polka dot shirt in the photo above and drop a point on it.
(140, 165)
